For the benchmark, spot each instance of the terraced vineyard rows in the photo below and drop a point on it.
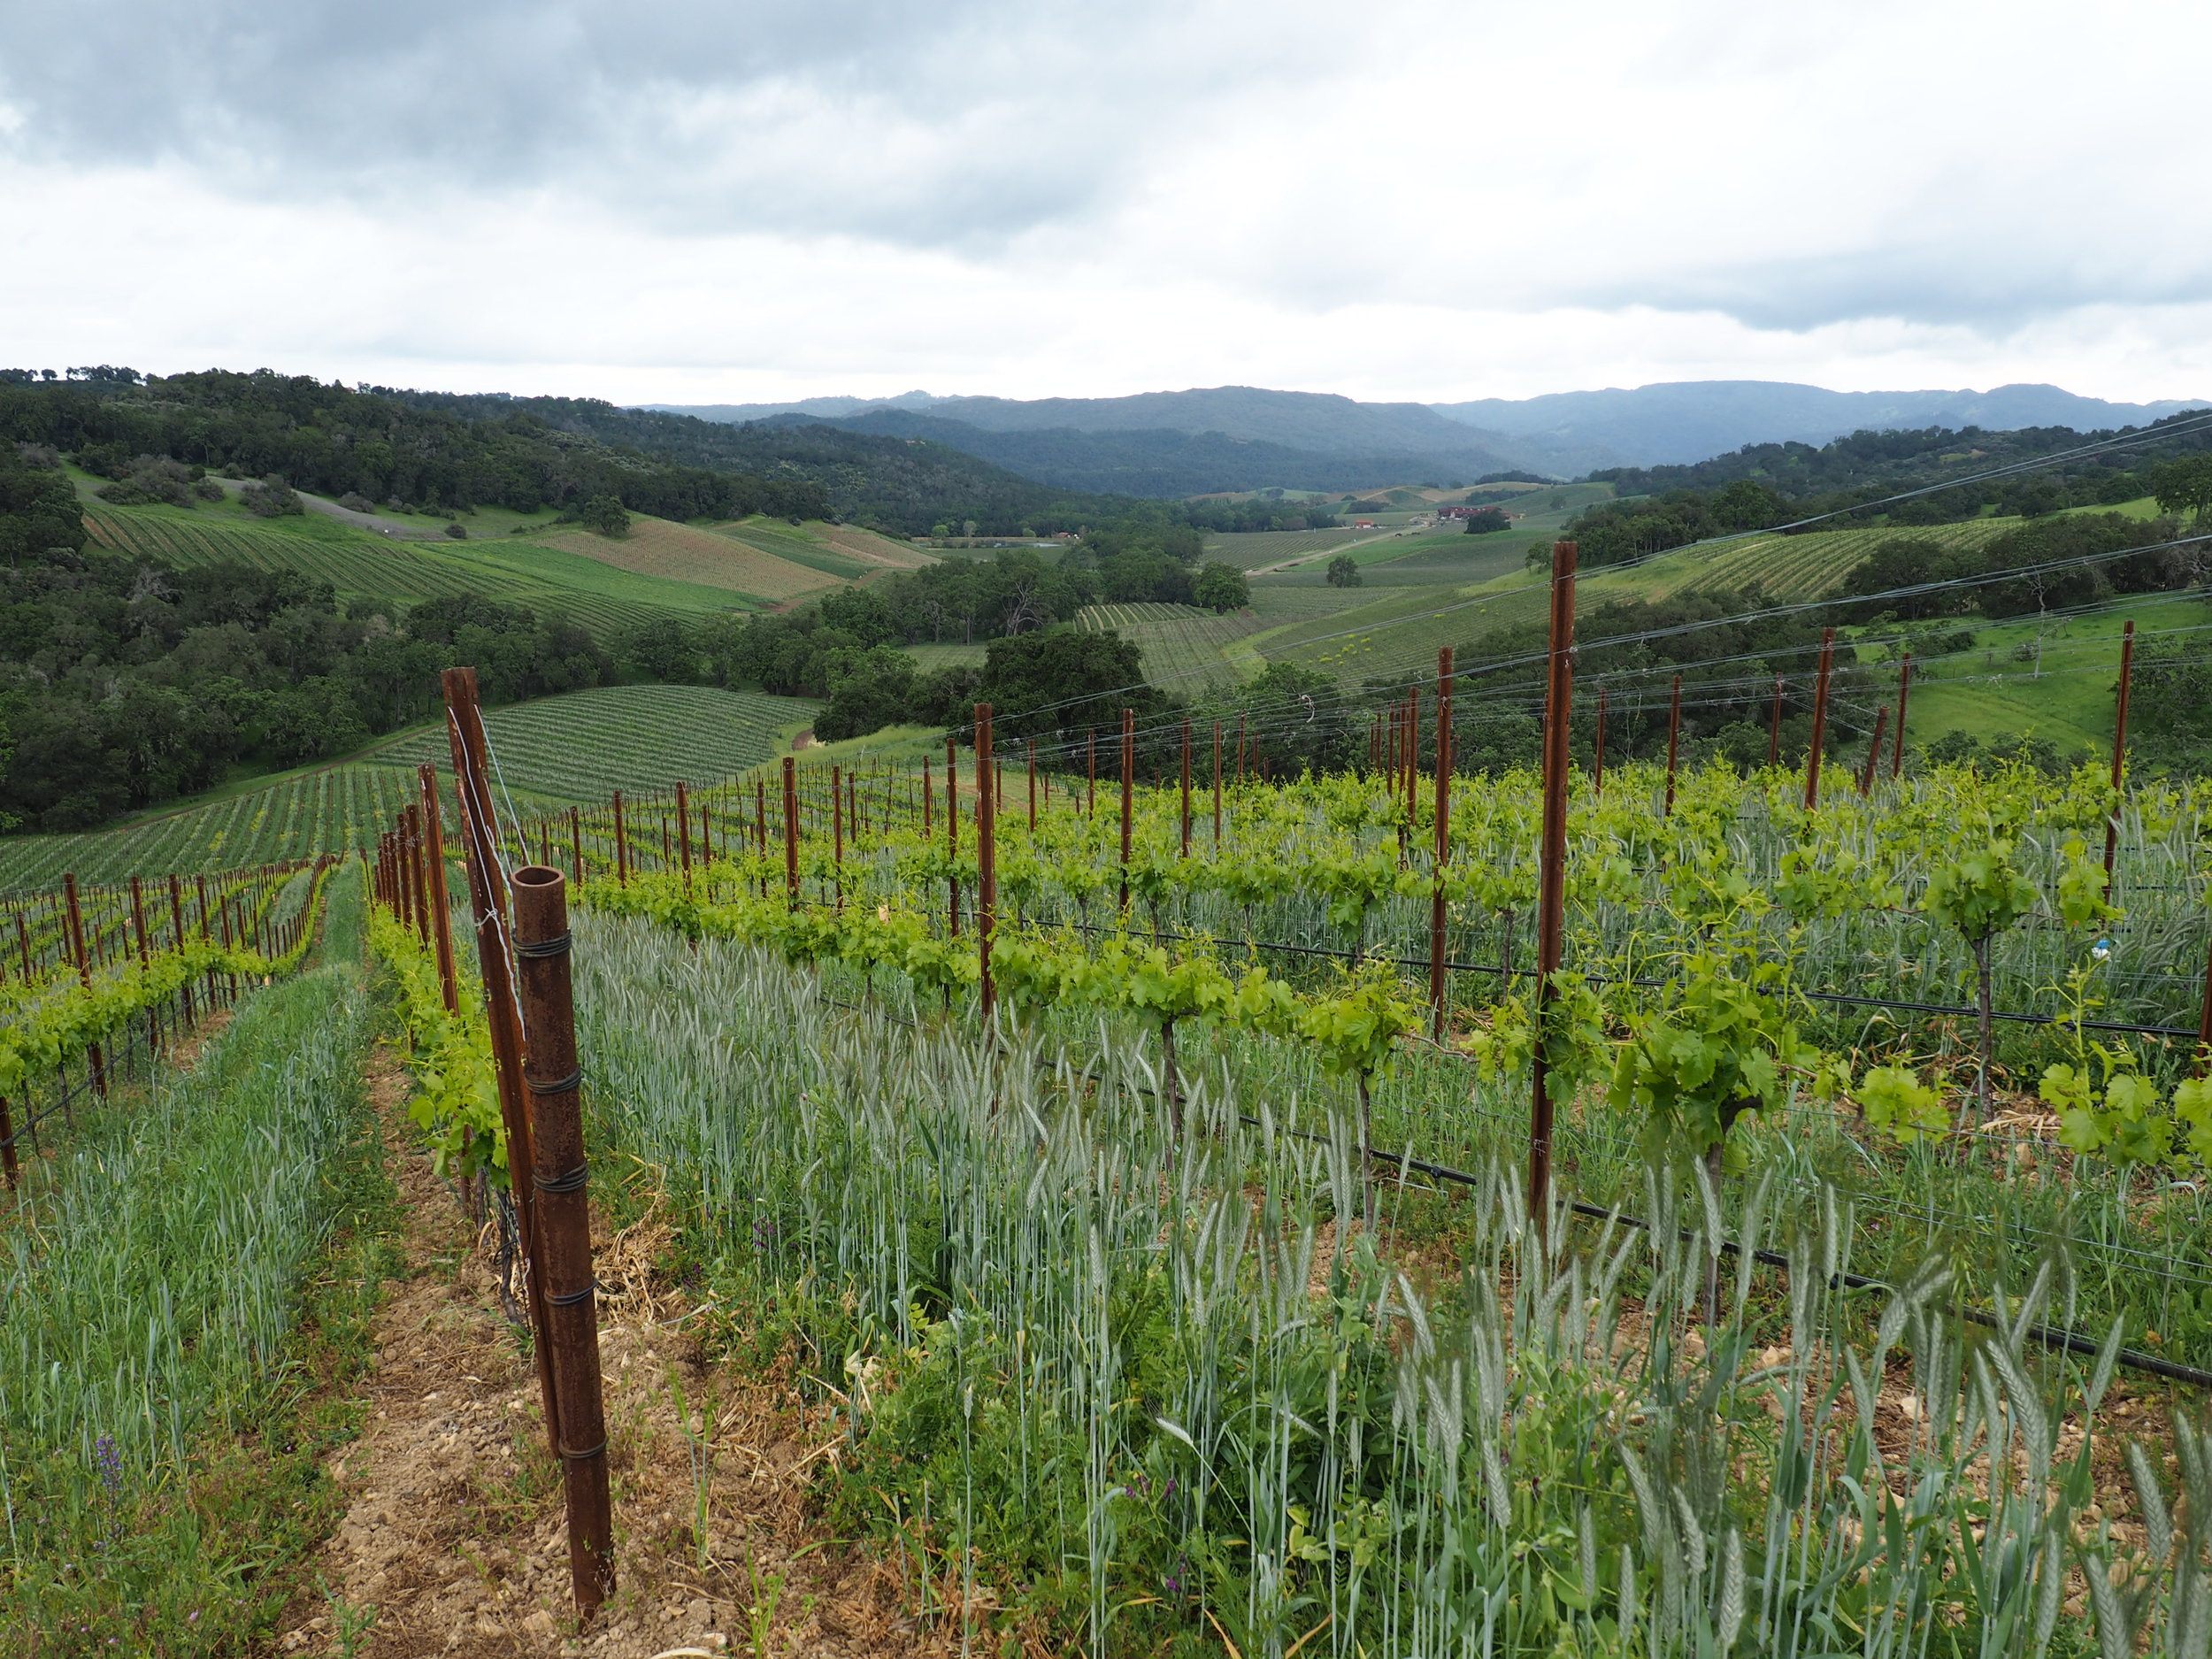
(333, 809)
(1277, 603)
(552, 752)
(1369, 632)
(1811, 565)
(368, 567)
(579, 747)
(1183, 647)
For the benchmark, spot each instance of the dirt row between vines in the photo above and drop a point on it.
(453, 1542)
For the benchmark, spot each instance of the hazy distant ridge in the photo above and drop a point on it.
(1692, 420)
(1243, 437)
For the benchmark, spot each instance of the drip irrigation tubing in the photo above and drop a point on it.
(2044, 1335)
(1956, 1011)
(2047, 1336)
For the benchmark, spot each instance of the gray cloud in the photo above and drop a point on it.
(1969, 285)
(954, 183)
(942, 123)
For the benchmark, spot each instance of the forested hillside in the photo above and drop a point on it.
(451, 451)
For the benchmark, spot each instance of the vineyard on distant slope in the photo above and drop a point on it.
(579, 747)
(1183, 647)
(363, 566)
(557, 750)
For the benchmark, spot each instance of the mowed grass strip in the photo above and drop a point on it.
(1418, 558)
(686, 553)
(847, 550)
(1251, 551)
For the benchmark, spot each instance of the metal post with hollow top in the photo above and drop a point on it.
(559, 1173)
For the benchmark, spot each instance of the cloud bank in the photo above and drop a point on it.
(1412, 200)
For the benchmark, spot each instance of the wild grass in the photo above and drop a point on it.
(169, 1294)
(1166, 1396)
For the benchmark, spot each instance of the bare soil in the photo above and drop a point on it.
(453, 1532)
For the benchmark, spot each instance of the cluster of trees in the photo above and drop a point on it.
(124, 683)
(1866, 465)
(2055, 564)
(1612, 531)
(1727, 654)
(1667, 506)
(1267, 511)
(1484, 520)
(845, 648)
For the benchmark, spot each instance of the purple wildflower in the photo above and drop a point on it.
(109, 1461)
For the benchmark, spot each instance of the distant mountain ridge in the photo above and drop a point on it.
(1679, 422)
(1243, 437)
(1164, 462)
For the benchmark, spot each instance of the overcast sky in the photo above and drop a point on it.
(773, 198)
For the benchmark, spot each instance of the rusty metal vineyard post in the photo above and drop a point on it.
(790, 832)
(1187, 788)
(1217, 786)
(952, 837)
(560, 1174)
(1128, 796)
(2119, 751)
(1820, 718)
(987, 784)
(417, 854)
(93, 1056)
(1904, 686)
(488, 898)
(176, 929)
(440, 909)
(1874, 751)
(1597, 755)
(1552, 873)
(1439, 985)
(683, 831)
(1674, 742)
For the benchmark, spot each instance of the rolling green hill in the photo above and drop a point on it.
(1420, 592)
(360, 565)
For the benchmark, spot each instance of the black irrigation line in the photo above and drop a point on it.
(2046, 1336)
(132, 1052)
(60, 1104)
(1843, 997)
